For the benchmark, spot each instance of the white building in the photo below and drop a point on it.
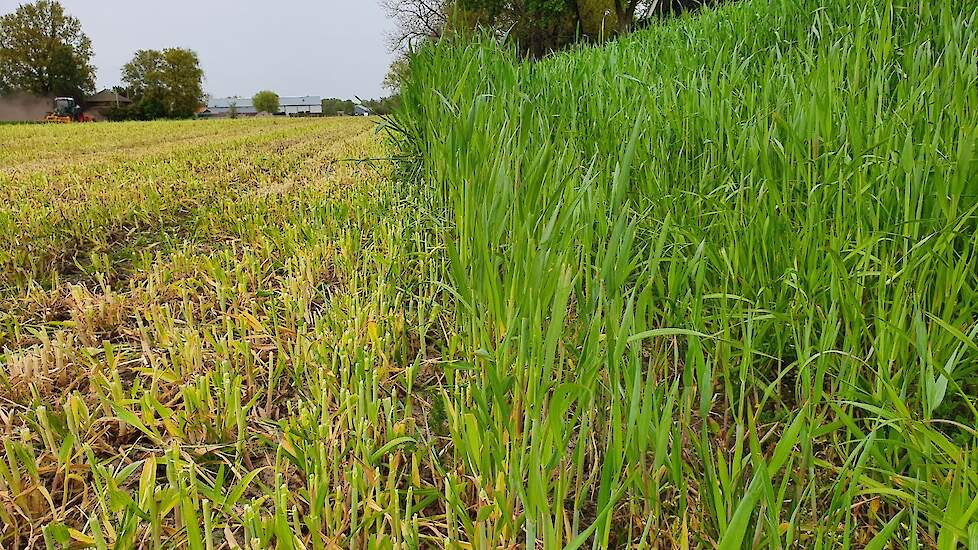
(303, 105)
(309, 105)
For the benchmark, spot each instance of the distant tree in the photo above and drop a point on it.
(416, 20)
(233, 109)
(329, 106)
(398, 72)
(183, 79)
(167, 83)
(44, 51)
(143, 74)
(334, 106)
(382, 106)
(266, 101)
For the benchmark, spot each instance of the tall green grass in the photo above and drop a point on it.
(713, 284)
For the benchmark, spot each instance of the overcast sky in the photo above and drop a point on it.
(330, 48)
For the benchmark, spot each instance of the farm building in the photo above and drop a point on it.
(360, 110)
(96, 106)
(310, 105)
(242, 106)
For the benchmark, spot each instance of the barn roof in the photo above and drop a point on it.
(226, 102)
(108, 96)
(305, 101)
(245, 102)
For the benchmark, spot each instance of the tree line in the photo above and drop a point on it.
(43, 51)
(384, 106)
(537, 27)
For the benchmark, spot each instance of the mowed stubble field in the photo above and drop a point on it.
(204, 327)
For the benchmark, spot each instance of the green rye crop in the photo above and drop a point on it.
(715, 282)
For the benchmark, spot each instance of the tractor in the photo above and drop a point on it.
(66, 110)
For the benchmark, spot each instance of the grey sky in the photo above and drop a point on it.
(332, 48)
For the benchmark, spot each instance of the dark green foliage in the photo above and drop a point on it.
(266, 101)
(120, 113)
(333, 106)
(164, 84)
(44, 51)
(397, 73)
(537, 26)
(383, 106)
